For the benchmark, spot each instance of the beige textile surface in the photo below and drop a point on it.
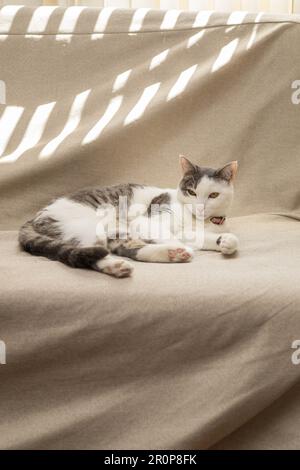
(181, 356)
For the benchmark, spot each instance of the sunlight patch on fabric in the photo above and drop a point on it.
(140, 107)
(39, 21)
(70, 126)
(236, 17)
(33, 132)
(7, 16)
(254, 31)
(170, 19)
(8, 122)
(182, 82)
(195, 38)
(158, 59)
(202, 18)
(121, 80)
(225, 55)
(111, 110)
(68, 23)
(102, 21)
(138, 19)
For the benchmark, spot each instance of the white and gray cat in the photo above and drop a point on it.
(72, 229)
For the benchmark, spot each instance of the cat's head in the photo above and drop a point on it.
(209, 192)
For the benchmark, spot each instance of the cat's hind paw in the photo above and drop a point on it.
(228, 243)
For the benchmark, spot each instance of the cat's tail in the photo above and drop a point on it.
(39, 244)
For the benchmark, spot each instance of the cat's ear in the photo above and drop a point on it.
(228, 172)
(186, 165)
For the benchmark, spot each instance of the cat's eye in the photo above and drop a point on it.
(213, 195)
(191, 192)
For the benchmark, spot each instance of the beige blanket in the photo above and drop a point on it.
(182, 356)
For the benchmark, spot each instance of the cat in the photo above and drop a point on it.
(155, 225)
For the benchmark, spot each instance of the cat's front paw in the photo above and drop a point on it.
(115, 267)
(228, 243)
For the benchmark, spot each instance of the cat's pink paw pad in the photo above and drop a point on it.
(180, 255)
(119, 269)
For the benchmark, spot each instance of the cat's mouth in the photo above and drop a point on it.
(217, 220)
